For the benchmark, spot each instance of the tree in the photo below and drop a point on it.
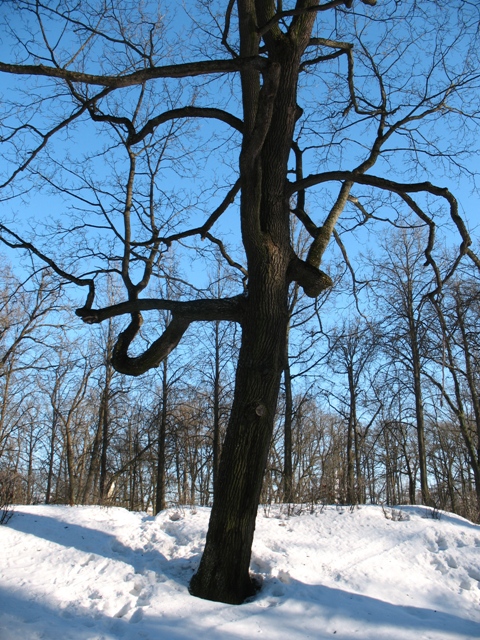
(458, 317)
(401, 288)
(352, 349)
(112, 77)
(28, 315)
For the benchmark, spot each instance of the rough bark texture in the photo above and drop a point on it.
(270, 114)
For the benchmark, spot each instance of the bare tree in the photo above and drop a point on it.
(267, 75)
(27, 331)
(401, 285)
(352, 348)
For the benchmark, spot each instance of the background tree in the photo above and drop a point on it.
(402, 297)
(352, 347)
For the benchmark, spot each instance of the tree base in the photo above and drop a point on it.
(218, 590)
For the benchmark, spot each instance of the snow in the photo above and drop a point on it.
(95, 573)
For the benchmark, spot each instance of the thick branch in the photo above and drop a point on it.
(156, 352)
(317, 8)
(298, 12)
(191, 310)
(322, 238)
(188, 69)
(266, 104)
(183, 314)
(312, 280)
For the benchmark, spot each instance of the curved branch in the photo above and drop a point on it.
(156, 352)
(228, 258)
(22, 244)
(184, 313)
(389, 185)
(185, 112)
(228, 15)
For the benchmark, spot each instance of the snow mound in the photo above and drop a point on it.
(94, 573)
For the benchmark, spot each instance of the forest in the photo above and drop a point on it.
(240, 259)
(366, 402)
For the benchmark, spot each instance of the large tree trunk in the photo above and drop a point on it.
(224, 569)
(270, 112)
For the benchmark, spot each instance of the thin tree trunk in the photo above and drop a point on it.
(94, 465)
(472, 385)
(288, 421)
(216, 407)
(351, 440)
(51, 457)
(161, 440)
(105, 414)
(419, 412)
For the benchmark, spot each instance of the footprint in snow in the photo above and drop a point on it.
(123, 611)
(440, 566)
(442, 543)
(91, 558)
(136, 616)
(474, 573)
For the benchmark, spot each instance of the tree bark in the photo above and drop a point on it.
(420, 419)
(270, 113)
(224, 569)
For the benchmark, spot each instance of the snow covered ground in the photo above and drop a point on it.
(93, 573)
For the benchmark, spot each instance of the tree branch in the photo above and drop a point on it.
(184, 313)
(188, 69)
(184, 112)
(21, 244)
(389, 185)
(202, 310)
(297, 12)
(156, 352)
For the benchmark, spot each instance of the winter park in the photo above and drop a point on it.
(239, 319)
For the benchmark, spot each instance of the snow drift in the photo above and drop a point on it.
(93, 573)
